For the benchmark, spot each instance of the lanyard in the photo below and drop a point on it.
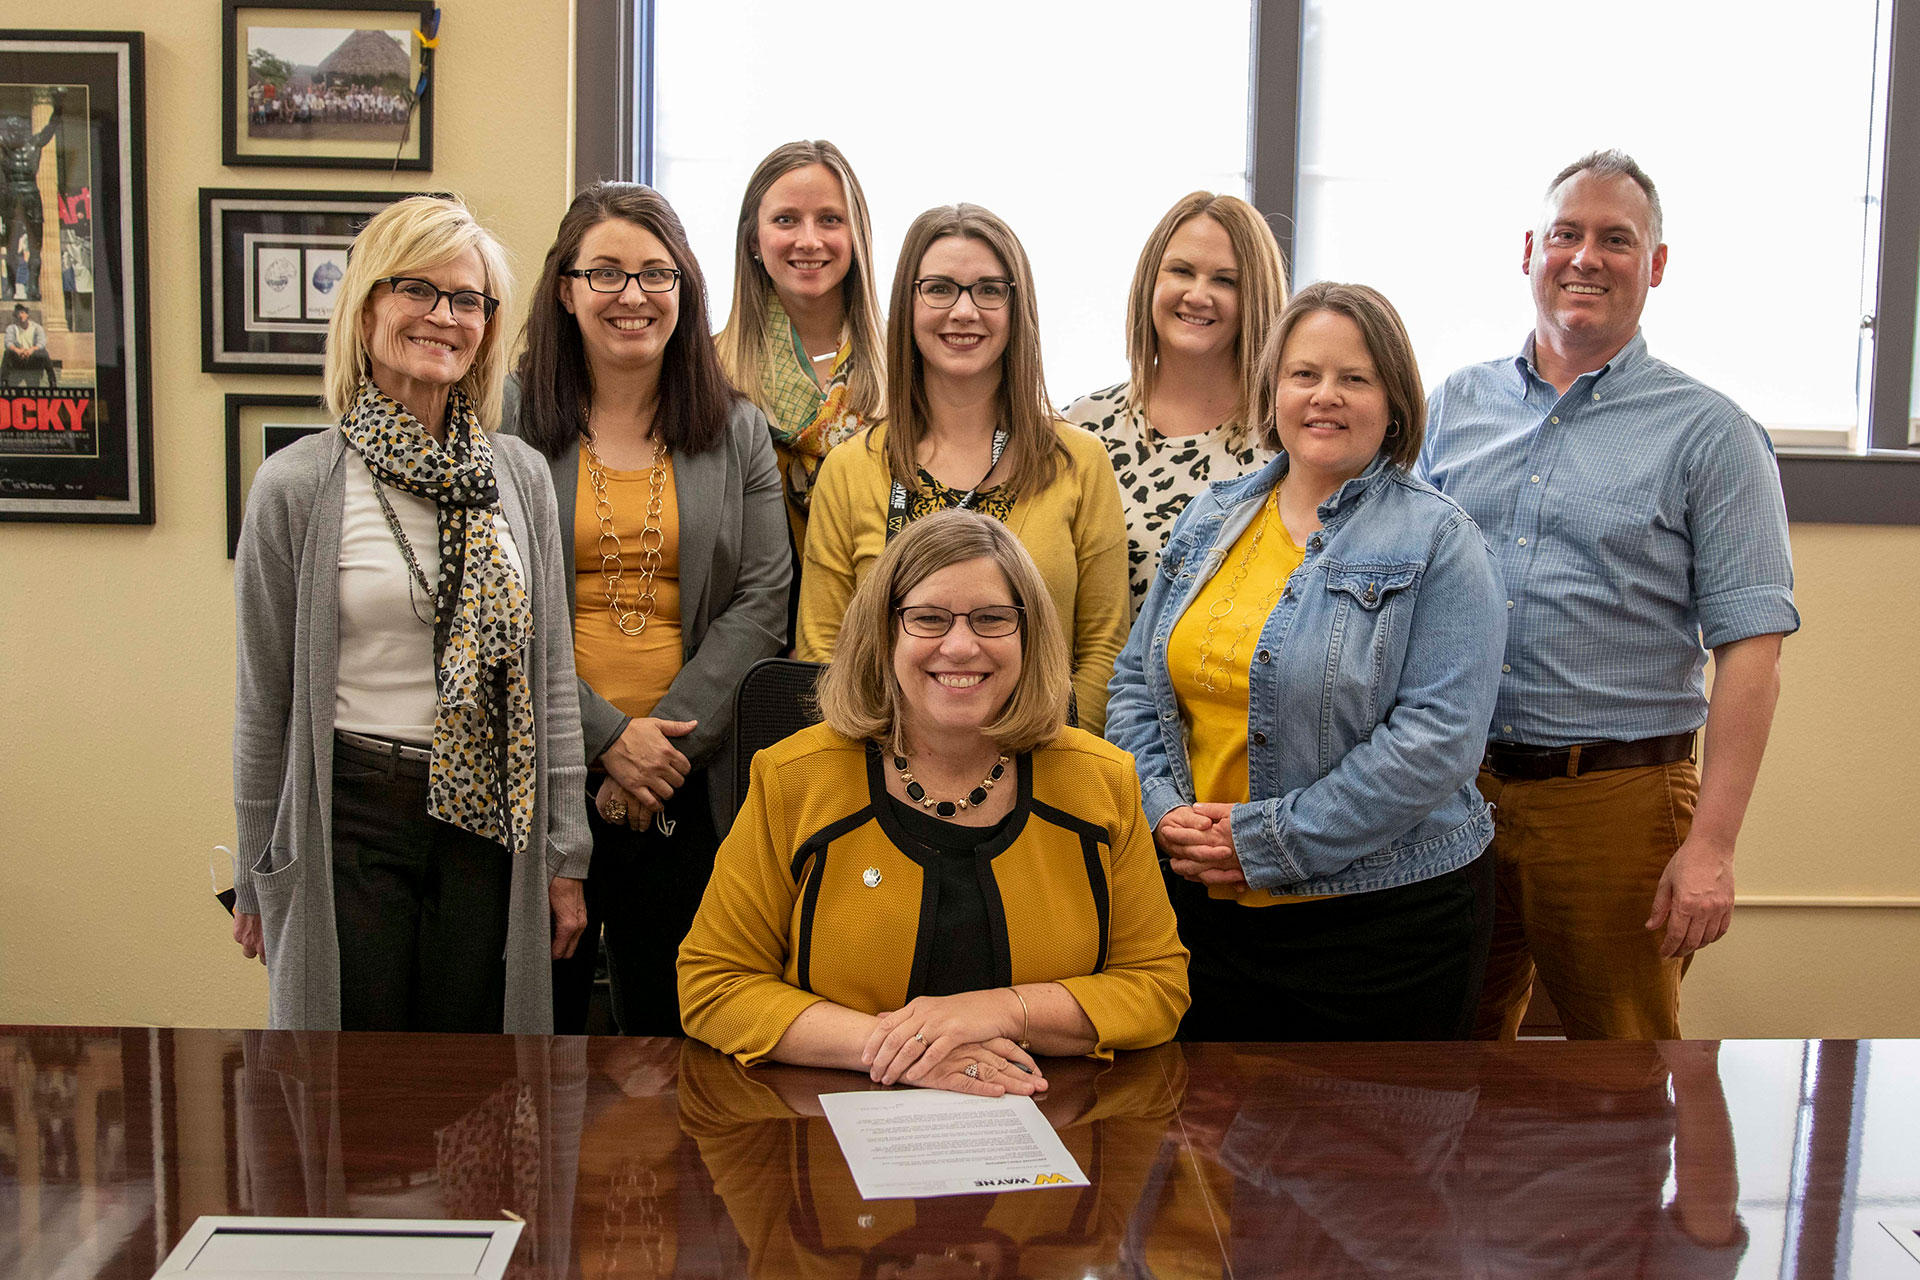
(897, 500)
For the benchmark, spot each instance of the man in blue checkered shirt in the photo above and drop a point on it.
(1638, 524)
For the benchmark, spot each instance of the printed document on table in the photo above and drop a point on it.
(926, 1142)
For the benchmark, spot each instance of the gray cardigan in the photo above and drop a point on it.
(735, 569)
(286, 603)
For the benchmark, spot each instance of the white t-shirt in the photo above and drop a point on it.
(386, 684)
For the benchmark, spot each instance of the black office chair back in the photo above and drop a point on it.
(774, 701)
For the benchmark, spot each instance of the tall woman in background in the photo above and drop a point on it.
(968, 425)
(1205, 292)
(671, 505)
(803, 340)
(406, 750)
(1306, 694)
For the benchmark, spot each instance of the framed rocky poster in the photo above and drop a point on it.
(257, 428)
(328, 84)
(76, 410)
(271, 263)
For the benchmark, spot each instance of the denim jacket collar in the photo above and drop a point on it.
(1259, 483)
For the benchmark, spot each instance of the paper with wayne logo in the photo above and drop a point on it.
(908, 1143)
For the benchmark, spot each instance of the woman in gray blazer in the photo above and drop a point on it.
(670, 503)
(406, 751)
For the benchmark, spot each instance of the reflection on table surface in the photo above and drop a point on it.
(658, 1158)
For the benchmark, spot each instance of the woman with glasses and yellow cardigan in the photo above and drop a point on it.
(943, 880)
(968, 425)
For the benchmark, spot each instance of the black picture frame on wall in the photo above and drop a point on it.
(295, 95)
(76, 395)
(257, 428)
(270, 262)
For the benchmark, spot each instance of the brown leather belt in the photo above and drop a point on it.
(1518, 760)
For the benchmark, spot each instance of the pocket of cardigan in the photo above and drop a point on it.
(271, 872)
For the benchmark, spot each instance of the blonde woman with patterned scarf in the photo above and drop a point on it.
(407, 769)
(803, 341)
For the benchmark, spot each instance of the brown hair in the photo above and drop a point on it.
(556, 382)
(1034, 448)
(859, 694)
(1387, 344)
(1263, 292)
(1614, 164)
(742, 344)
(417, 234)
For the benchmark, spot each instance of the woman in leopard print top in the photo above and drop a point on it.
(1208, 285)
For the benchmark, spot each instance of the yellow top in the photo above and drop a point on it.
(1073, 529)
(1209, 654)
(631, 672)
(817, 894)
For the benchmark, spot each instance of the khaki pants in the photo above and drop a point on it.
(1576, 863)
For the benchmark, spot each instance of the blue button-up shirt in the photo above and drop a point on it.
(1634, 520)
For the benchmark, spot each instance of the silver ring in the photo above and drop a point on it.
(972, 1071)
(922, 1039)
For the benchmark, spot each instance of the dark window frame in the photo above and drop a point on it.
(614, 60)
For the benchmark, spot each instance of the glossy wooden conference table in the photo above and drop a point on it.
(658, 1158)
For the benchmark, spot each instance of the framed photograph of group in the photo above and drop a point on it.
(271, 263)
(257, 428)
(328, 84)
(76, 408)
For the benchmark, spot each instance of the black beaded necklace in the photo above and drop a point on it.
(948, 808)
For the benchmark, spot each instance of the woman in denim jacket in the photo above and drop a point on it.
(1306, 693)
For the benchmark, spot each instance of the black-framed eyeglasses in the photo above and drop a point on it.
(418, 297)
(989, 622)
(614, 280)
(988, 294)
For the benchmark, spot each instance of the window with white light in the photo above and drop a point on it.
(1079, 126)
(1427, 140)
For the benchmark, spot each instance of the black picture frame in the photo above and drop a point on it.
(268, 261)
(366, 134)
(76, 411)
(259, 426)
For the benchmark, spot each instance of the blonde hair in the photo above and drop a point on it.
(859, 694)
(418, 234)
(742, 344)
(1387, 345)
(1263, 293)
(1034, 448)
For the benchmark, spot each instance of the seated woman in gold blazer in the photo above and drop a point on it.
(943, 878)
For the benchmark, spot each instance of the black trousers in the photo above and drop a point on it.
(643, 887)
(1393, 964)
(420, 905)
(38, 362)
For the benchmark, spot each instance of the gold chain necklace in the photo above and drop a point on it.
(652, 537)
(1220, 679)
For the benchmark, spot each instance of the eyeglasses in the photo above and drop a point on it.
(418, 297)
(940, 293)
(988, 622)
(614, 280)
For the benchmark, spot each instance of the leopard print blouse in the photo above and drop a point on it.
(1157, 479)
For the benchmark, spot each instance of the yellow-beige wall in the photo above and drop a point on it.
(116, 645)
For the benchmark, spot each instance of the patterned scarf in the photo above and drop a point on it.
(806, 420)
(482, 774)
